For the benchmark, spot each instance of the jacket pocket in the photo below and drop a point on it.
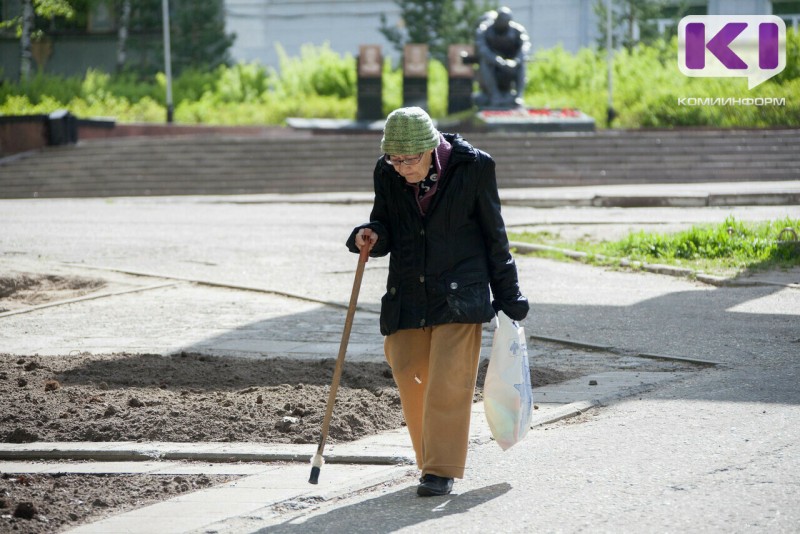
(390, 311)
(468, 298)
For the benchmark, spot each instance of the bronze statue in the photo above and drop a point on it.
(502, 47)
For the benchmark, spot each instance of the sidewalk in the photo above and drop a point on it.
(278, 474)
(678, 195)
(245, 307)
(658, 195)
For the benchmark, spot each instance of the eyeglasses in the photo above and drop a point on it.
(396, 162)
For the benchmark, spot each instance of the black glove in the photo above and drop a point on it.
(516, 309)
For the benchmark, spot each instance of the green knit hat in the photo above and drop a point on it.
(409, 131)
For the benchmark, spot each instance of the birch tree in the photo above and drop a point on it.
(26, 30)
(47, 9)
(122, 34)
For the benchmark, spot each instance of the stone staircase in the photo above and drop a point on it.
(306, 162)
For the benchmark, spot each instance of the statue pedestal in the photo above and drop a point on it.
(533, 120)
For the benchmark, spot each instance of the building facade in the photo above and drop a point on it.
(344, 25)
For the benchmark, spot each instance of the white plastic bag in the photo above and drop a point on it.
(507, 394)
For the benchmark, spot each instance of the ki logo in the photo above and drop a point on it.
(746, 46)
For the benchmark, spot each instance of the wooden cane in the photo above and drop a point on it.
(317, 460)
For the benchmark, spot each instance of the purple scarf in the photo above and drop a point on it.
(441, 156)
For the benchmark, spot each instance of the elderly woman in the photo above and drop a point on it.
(437, 214)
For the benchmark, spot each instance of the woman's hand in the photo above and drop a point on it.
(367, 237)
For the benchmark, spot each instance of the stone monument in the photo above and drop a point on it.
(502, 47)
(501, 53)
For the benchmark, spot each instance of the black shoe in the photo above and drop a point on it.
(432, 485)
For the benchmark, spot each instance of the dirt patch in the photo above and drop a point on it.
(192, 397)
(42, 504)
(189, 397)
(25, 289)
(179, 398)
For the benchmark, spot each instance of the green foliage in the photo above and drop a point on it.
(105, 105)
(438, 24)
(437, 88)
(198, 38)
(240, 83)
(322, 83)
(558, 79)
(648, 87)
(53, 8)
(270, 110)
(197, 30)
(318, 71)
(732, 243)
(41, 86)
(792, 70)
(729, 246)
(392, 80)
(198, 35)
(46, 10)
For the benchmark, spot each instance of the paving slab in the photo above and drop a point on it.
(259, 497)
(603, 387)
(256, 320)
(251, 495)
(131, 468)
(271, 484)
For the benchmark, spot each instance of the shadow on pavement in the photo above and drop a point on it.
(392, 512)
(742, 327)
(729, 325)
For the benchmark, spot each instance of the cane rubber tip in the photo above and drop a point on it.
(314, 478)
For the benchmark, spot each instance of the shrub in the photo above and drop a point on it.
(647, 85)
(318, 70)
(322, 83)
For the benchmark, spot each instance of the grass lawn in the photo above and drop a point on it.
(730, 248)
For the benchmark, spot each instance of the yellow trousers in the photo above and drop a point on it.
(435, 369)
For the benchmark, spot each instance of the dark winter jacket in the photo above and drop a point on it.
(442, 265)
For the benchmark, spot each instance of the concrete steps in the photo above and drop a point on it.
(303, 163)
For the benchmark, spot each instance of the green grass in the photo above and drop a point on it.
(730, 248)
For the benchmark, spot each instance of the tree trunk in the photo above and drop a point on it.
(122, 42)
(25, 40)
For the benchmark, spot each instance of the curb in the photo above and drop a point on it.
(610, 348)
(702, 200)
(695, 361)
(34, 454)
(141, 452)
(565, 412)
(659, 201)
(573, 343)
(576, 408)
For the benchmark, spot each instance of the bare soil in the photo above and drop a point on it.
(42, 503)
(177, 398)
(21, 290)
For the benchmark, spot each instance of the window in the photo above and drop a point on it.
(101, 18)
